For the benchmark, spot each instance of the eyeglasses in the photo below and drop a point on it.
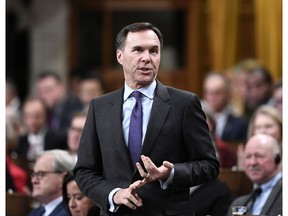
(76, 129)
(41, 174)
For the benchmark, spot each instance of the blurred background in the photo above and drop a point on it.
(75, 36)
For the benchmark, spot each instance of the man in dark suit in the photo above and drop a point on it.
(262, 159)
(39, 136)
(217, 96)
(177, 151)
(212, 198)
(47, 178)
(60, 102)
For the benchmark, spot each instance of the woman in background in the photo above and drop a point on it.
(265, 120)
(76, 203)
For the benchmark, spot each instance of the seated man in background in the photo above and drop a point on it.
(60, 102)
(261, 163)
(217, 96)
(47, 179)
(75, 132)
(38, 136)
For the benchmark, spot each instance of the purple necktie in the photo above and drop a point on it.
(135, 129)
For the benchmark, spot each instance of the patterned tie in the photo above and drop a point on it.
(135, 129)
(254, 196)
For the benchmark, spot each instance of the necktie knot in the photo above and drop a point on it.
(136, 95)
(41, 210)
(257, 192)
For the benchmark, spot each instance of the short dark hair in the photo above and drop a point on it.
(48, 73)
(136, 27)
(265, 73)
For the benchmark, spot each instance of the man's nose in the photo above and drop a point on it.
(146, 56)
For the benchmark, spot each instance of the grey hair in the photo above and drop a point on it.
(62, 161)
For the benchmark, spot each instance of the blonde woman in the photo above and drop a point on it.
(265, 120)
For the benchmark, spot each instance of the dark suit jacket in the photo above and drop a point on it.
(235, 130)
(212, 198)
(176, 132)
(53, 140)
(63, 112)
(273, 205)
(58, 211)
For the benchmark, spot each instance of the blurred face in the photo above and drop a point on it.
(140, 58)
(89, 89)
(49, 90)
(278, 99)
(258, 90)
(259, 160)
(34, 116)
(264, 124)
(47, 185)
(215, 93)
(74, 133)
(79, 204)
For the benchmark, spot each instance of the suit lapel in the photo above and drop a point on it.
(272, 197)
(116, 113)
(57, 209)
(159, 113)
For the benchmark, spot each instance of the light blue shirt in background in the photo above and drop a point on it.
(266, 191)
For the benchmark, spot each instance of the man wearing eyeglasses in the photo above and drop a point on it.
(49, 171)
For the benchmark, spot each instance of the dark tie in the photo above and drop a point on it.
(135, 129)
(41, 211)
(256, 192)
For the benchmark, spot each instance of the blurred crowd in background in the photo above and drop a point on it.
(239, 103)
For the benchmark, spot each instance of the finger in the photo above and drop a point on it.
(135, 200)
(135, 186)
(129, 204)
(168, 165)
(141, 170)
(148, 164)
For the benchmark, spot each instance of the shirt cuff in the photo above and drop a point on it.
(164, 185)
(112, 206)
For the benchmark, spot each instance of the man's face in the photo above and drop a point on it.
(34, 115)
(259, 160)
(140, 58)
(74, 133)
(215, 93)
(48, 186)
(89, 89)
(258, 90)
(49, 89)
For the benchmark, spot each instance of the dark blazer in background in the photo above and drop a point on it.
(235, 130)
(213, 198)
(58, 211)
(53, 140)
(177, 132)
(273, 205)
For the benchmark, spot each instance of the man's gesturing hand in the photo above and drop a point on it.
(129, 196)
(154, 173)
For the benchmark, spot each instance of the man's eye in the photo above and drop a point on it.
(154, 51)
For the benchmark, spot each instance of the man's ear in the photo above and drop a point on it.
(119, 56)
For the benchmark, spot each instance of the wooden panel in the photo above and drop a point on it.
(18, 204)
(237, 180)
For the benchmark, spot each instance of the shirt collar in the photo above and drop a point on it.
(148, 91)
(270, 183)
(52, 205)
